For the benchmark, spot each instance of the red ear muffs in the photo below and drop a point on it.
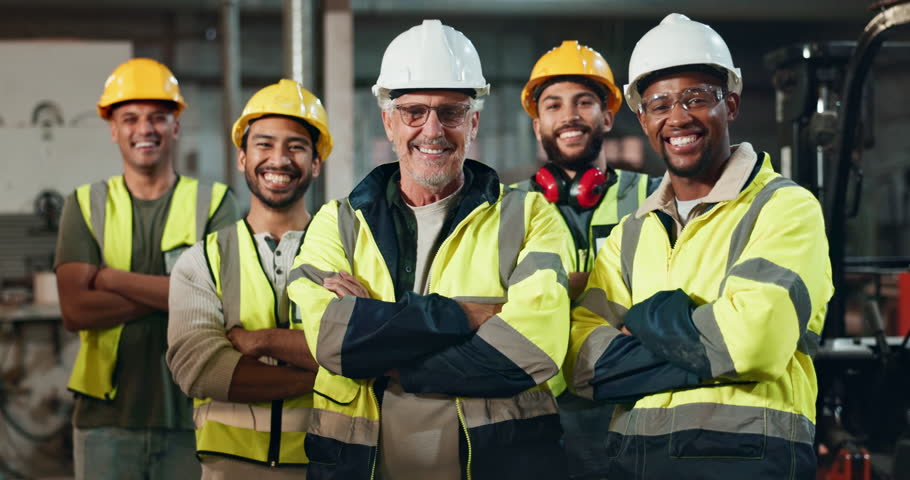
(588, 188)
(551, 182)
(585, 190)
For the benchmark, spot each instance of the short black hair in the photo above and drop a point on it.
(716, 72)
(582, 80)
(313, 131)
(393, 94)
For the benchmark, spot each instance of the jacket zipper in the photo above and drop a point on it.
(467, 437)
(379, 435)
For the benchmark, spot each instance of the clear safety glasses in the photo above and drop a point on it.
(691, 99)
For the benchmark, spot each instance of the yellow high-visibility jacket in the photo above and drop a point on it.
(107, 209)
(725, 320)
(502, 246)
(241, 430)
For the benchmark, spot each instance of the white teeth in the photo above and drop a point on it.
(570, 134)
(680, 141)
(144, 144)
(430, 151)
(276, 178)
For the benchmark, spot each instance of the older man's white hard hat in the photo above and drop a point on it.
(431, 56)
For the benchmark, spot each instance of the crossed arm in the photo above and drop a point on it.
(211, 360)
(93, 297)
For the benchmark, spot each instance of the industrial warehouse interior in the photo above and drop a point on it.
(823, 93)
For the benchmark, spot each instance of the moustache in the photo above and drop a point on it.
(291, 171)
(573, 126)
(435, 142)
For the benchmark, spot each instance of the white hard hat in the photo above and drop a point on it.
(675, 42)
(431, 55)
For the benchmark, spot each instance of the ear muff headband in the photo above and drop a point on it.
(585, 190)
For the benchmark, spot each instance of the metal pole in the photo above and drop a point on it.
(230, 76)
(298, 41)
(299, 65)
(338, 44)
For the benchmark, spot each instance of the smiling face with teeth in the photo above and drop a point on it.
(571, 125)
(278, 161)
(146, 133)
(431, 156)
(694, 144)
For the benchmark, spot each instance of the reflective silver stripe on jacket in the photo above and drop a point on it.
(98, 207)
(343, 428)
(241, 415)
(487, 411)
(714, 417)
(229, 250)
(511, 232)
(203, 205)
(627, 195)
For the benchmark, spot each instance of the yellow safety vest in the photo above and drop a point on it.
(244, 430)
(107, 209)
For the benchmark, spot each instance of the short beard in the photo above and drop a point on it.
(579, 162)
(442, 179)
(700, 167)
(283, 203)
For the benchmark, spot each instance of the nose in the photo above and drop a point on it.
(146, 126)
(433, 128)
(678, 115)
(285, 157)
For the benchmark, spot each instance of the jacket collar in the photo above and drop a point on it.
(738, 170)
(481, 184)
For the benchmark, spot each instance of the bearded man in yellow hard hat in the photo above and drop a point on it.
(230, 343)
(119, 239)
(572, 98)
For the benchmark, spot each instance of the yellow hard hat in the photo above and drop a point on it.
(139, 79)
(570, 58)
(290, 99)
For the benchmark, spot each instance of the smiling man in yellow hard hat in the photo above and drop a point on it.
(118, 240)
(572, 98)
(230, 343)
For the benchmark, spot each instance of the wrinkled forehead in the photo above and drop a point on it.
(432, 97)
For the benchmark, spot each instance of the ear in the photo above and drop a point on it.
(387, 123)
(608, 120)
(241, 160)
(732, 102)
(176, 127)
(536, 125)
(113, 127)
(317, 166)
(475, 122)
(642, 122)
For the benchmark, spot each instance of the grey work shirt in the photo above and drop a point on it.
(419, 433)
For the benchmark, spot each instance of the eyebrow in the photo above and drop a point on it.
(262, 136)
(574, 97)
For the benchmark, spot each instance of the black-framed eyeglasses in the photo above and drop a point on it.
(449, 114)
(691, 99)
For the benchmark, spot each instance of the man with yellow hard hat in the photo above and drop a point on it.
(230, 343)
(118, 240)
(572, 98)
